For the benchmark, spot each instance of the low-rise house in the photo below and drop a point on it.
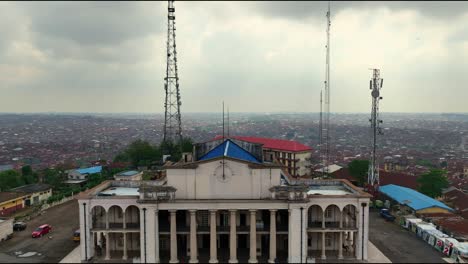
(81, 175)
(34, 193)
(129, 176)
(10, 202)
(458, 200)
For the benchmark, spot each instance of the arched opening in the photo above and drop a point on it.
(115, 215)
(132, 217)
(98, 215)
(349, 216)
(314, 236)
(332, 216)
(315, 216)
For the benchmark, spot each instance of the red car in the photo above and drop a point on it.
(42, 230)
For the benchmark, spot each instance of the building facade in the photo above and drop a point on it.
(225, 206)
(34, 193)
(10, 202)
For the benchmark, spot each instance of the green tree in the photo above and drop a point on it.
(432, 183)
(54, 178)
(358, 169)
(141, 152)
(28, 175)
(10, 179)
(26, 170)
(186, 144)
(175, 149)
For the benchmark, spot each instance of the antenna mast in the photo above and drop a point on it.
(172, 120)
(228, 121)
(375, 85)
(326, 142)
(320, 132)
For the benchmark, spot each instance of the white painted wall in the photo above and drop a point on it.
(6, 228)
(201, 183)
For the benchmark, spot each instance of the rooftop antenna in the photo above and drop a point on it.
(325, 155)
(172, 120)
(228, 121)
(373, 174)
(223, 120)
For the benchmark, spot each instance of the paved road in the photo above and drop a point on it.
(47, 249)
(399, 245)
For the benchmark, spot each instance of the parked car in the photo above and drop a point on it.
(385, 213)
(19, 226)
(42, 230)
(76, 235)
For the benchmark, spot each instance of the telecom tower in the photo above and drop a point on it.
(375, 85)
(325, 137)
(172, 121)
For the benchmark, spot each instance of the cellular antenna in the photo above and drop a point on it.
(373, 174)
(172, 120)
(325, 149)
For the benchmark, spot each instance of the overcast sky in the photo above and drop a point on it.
(256, 56)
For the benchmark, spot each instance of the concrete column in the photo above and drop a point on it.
(173, 237)
(124, 219)
(341, 219)
(253, 236)
(272, 236)
(340, 248)
(366, 230)
(232, 237)
(213, 245)
(107, 246)
(193, 237)
(294, 236)
(156, 235)
(323, 218)
(357, 239)
(107, 220)
(124, 257)
(323, 246)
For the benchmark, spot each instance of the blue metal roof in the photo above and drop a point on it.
(128, 173)
(415, 200)
(90, 170)
(229, 149)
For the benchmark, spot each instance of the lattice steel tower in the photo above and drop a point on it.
(375, 85)
(325, 135)
(172, 120)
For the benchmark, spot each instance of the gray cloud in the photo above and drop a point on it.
(256, 56)
(303, 9)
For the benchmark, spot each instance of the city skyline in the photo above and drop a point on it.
(84, 58)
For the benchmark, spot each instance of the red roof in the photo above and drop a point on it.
(272, 143)
(398, 178)
(385, 178)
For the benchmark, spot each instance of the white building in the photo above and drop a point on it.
(129, 176)
(82, 175)
(227, 206)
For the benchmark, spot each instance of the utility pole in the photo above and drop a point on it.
(373, 174)
(172, 120)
